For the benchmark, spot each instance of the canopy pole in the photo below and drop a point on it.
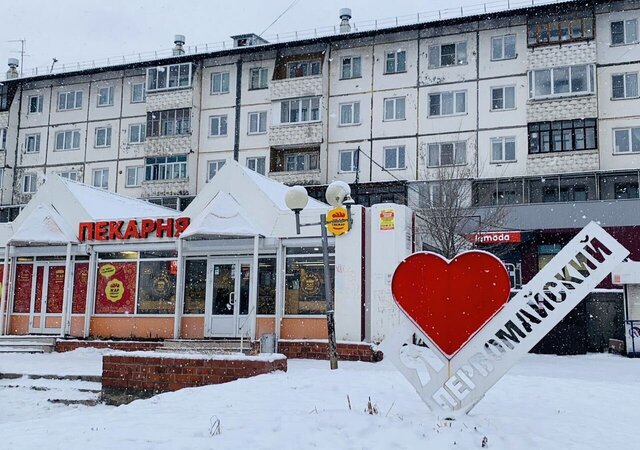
(3, 298)
(65, 329)
(91, 293)
(254, 285)
(180, 275)
(280, 280)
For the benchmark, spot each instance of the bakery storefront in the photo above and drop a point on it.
(82, 262)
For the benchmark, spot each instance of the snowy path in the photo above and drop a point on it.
(544, 402)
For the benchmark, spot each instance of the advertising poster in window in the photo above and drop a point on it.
(116, 288)
(80, 280)
(22, 298)
(157, 287)
(55, 289)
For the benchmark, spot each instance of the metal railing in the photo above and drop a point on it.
(368, 25)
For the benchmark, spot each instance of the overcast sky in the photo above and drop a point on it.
(81, 30)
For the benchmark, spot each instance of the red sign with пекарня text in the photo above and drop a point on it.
(133, 229)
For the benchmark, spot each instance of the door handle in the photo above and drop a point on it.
(232, 298)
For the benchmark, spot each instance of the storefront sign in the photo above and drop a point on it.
(387, 219)
(337, 221)
(454, 379)
(133, 229)
(495, 237)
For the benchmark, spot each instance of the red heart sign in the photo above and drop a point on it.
(451, 300)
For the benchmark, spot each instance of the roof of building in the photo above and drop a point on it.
(44, 226)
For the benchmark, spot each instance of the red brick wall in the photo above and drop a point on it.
(320, 350)
(127, 346)
(141, 373)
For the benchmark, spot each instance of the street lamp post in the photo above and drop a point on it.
(338, 194)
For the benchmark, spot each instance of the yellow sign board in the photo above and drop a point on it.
(337, 221)
(387, 219)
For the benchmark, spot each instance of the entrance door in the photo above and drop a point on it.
(47, 293)
(227, 298)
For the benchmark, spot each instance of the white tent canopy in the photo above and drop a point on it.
(44, 226)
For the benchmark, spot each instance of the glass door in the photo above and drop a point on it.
(47, 295)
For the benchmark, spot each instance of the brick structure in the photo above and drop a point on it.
(127, 346)
(128, 377)
(319, 350)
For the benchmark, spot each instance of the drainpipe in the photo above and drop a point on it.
(3, 298)
(236, 134)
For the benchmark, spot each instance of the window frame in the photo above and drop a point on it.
(33, 184)
(64, 132)
(222, 125)
(456, 55)
(77, 98)
(590, 82)
(66, 174)
(109, 97)
(355, 111)
(37, 138)
(503, 149)
(455, 151)
(398, 150)
(307, 158)
(309, 64)
(142, 134)
(260, 121)
(102, 171)
(353, 163)
(179, 120)
(133, 91)
(536, 30)
(259, 71)
(256, 160)
(625, 40)
(454, 95)
(629, 132)
(625, 87)
(218, 163)
(167, 77)
(163, 168)
(394, 101)
(299, 101)
(222, 77)
(396, 62)
(39, 103)
(3, 138)
(504, 98)
(107, 137)
(503, 47)
(139, 176)
(351, 75)
(547, 139)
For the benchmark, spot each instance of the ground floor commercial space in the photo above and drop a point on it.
(86, 263)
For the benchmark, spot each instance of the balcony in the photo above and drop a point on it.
(163, 188)
(167, 145)
(303, 177)
(296, 87)
(170, 99)
(296, 134)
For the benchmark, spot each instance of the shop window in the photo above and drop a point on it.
(157, 287)
(304, 281)
(22, 296)
(267, 286)
(195, 286)
(116, 287)
(80, 279)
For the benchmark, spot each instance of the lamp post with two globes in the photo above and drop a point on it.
(338, 194)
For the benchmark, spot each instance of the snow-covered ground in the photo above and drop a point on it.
(544, 402)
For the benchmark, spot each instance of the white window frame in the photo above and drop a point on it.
(400, 155)
(107, 137)
(629, 131)
(161, 168)
(502, 141)
(109, 97)
(396, 66)
(36, 139)
(307, 159)
(460, 57)
(626, 85)
(68, 134)
(504, 98)
(143, 98)
(103, 173)
(222, 76)
(391, 104)
(69, 175)
(138, 176)
(625, 24)
(590, 82)
(352, 154)
(76, 101)
(454, 107)
(261, 122)
(256, 162)
(3, 138)
(142, 133)
(296, 105)
(218, 126)
(354, 114)
(459, 153)
(29, 183)
(503, 47)
(214, 166)
(347, 62)
(262, 83)
(39, 103)
(167, 80)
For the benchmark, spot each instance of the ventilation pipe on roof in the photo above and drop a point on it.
(179, 40)
(13, 68)
(345, 15)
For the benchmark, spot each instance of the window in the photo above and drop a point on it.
(447, 154)
(4, 97)
(619, 186)
(624, 32)
(503, 98)
(394, 157)
(624, 85)
(303, 69)
(3, 138)
(562, 135)
(304, 280)
(213, 167)
(32, 143)
(394, 108)
(351, 67)
(257, 164)
(300, 110)
(350, 113)
(448, 103)
(172, 122)
(395, 62)
(137, 133)
(69, 175)
(135, 175)
(220, 83)
(174, 76)
(258, 122)
(550, 31)
(446, 55)
(297, 162)
(68, 140)
(103, 137)
(105, 96)
(218, 125)
(69, 100)
(100, 178)
(561, 81)
(503, 47)
(503, 149)
(35, 103)
(165, 168)
(138, 94)
(348, 160)
(157, 287)
(259, 78)
(626, 140)
(29, 183)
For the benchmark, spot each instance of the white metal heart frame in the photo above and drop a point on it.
(456, 385)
